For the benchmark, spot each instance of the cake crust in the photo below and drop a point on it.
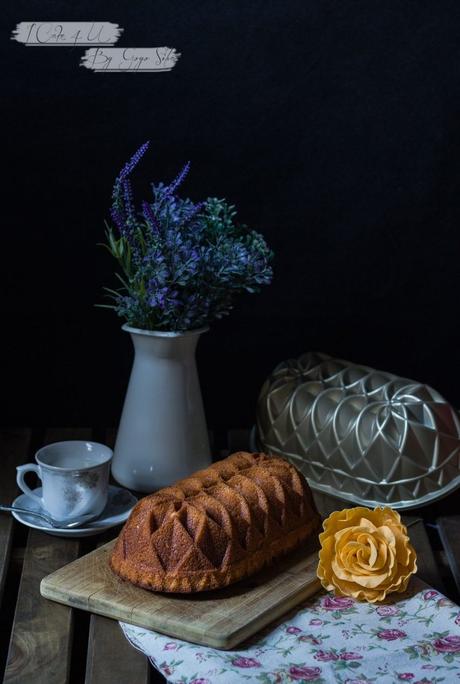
(217, 526)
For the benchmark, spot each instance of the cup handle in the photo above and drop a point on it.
(20, 475)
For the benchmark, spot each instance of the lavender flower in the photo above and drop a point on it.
(129, 201)
(150, 217)
(117, 218)
(122, 210)
(134, 161)
(178, 180)
(182, 262)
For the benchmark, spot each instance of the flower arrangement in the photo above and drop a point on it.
(182, 263)
(365, 554)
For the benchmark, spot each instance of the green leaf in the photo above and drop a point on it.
(109, 289)
(123, 282)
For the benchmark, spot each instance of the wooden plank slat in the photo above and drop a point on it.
(111, 659)
(449, 531)
(427, 568)
(40, 642)
(41, 638)
(14, 448)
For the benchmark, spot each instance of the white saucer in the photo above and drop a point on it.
(119, 505)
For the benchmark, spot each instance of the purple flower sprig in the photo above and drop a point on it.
(122, 210)
(172, 189)
(133, 162)
(182, 262)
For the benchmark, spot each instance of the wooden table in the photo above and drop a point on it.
(44, 642)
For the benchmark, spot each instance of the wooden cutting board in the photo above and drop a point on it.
(220, 618)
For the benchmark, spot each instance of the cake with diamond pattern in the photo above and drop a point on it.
(217, 526)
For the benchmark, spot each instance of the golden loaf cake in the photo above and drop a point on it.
(217, 526)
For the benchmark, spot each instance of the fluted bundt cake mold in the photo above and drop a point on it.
(365, 436)
(217, 526)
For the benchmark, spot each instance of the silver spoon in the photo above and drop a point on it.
(50, 521)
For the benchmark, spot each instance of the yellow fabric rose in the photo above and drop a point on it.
(365, 553)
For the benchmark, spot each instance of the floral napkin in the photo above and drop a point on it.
(415, 638)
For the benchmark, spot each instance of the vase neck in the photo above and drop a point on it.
(174, 347)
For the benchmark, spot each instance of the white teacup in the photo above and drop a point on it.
(75, 478)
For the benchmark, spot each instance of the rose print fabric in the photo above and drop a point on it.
(413, 638)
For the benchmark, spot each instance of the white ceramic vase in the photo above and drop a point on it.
(162, 435)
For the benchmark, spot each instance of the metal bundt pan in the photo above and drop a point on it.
(360, 434)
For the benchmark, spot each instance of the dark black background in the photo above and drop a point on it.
(334, 127)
